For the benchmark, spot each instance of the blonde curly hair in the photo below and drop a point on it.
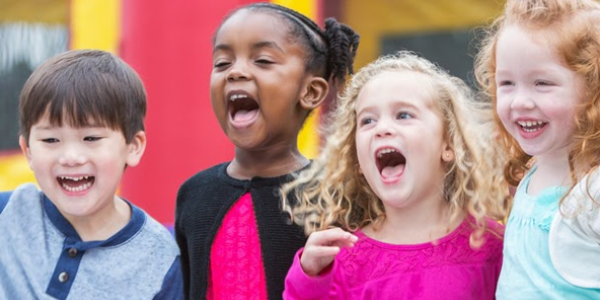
(333, 192)
(572, 27)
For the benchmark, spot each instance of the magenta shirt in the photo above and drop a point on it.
(448, 269)
(236, 265)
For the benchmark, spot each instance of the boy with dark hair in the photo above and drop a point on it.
(82, 123)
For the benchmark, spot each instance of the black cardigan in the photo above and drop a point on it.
(202, 203)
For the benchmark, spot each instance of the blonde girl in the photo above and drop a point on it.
(400, 202)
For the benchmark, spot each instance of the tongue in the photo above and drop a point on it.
(244, 115)
(394, 171)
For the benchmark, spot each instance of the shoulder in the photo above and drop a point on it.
(487, 246)
(4, 196)
(153, 237)
(158, 236)
(28, 195)
(201, 180)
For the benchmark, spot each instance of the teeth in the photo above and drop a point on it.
(385, 151)
(530, 126)
(77, 188)
(237, 96)
(74, 178)
(530, 123)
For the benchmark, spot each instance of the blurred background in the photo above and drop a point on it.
(168, 42)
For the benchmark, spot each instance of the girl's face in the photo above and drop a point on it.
(537, 94)
(400, 141)
(257, 79)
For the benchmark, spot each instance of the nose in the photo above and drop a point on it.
(522, 99)
(237, 72)
(72, 156)
(384, 128)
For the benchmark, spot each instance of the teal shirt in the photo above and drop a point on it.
(527, 271)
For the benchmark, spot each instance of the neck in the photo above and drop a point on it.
(105, 224)
(272, 162)
(551, 171)
(415, 225)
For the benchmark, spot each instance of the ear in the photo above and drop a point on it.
(136, 149)
(25, 149)
(315, 92)
(447, 154)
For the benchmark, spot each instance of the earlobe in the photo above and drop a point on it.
(448, 155)
(136, 149)
(25, 149)
(315, 93)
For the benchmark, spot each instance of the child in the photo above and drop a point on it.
(411, 181)
(540, 66)
(81, 117)
(271, 68)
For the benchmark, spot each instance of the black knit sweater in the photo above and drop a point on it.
(202, 203)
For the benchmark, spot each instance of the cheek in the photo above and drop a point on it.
(362, 152)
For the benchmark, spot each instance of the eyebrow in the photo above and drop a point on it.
(255, 46)
(397, 105)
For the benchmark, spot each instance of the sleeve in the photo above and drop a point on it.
(172, 287)
(4, 196)
(575, 234)
(301, 286)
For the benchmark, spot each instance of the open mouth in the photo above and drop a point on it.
(531, 126)
(241, 107)
(76, 184)
(390, 162)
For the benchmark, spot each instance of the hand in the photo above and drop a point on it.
(322, 247)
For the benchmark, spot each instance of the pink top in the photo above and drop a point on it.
(236, 266)
(448, 269)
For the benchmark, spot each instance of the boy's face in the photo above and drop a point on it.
(79, 169)
(256, 82)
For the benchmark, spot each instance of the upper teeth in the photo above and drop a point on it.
(385, 151)
(237, 96)
(74, 178)
(529, 123)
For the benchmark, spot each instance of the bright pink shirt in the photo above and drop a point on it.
(449, 269)
(236, 266)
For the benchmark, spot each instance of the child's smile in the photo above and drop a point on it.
(537, 94)
(79, 168)
(400, 139)
(76, 184)
(390, 163)
(243, 109)
(256, 79)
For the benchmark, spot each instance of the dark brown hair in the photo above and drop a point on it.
(84, 88)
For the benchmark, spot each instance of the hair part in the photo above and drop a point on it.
(333, 192)
(84, 88)
(572, 28)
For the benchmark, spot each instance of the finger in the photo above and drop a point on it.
(318, 252)
(331, 237)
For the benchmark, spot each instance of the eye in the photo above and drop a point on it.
(542, 83)
(50, 140)
(506, 83)
(366, 121)
(91, 138)
(403, 115)
(263, 61)
(221, 64)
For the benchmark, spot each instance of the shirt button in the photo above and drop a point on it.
(72, 252)
(63, 277)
